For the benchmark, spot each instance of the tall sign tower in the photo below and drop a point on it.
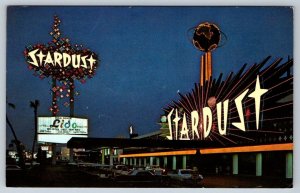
(206, 38)
(64, 63)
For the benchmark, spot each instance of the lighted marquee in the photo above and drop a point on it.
(249, 106)
(61, 129)
(60, 59)
(63, 62)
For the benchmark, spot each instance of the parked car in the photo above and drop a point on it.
(140, 173)
(141, 176)
(33, 164)
(13, 168)
(138, 168)
(136, 176)
(186, 175)
(157, 170)
(120, 170)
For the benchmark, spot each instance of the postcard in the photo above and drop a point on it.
(149, 96)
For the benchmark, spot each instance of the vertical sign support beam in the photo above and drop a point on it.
(205, 68)
(259, 164)
(53, 153)
(72, 86)
(140, 161)
(134, 161)
(209, 66)
(289, 165)
(71, 155)
(145, 161)
(53, 145)
(235, 164)
(202, 71)
(71, 115)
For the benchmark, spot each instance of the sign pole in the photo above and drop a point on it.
(54, 111)
(39, 58)
(72, 86)
(205, 68)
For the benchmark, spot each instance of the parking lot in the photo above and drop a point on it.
(66, 176)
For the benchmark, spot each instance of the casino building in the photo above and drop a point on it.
(267, 151)
(270, 154)
(258, 118)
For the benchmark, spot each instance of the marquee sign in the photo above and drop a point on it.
(62, 125)
(241, 108)
(61, 129)
(63, 62)
(60, 59)
(207, 116)
(62, 65)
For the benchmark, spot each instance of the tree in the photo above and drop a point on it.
(34, 105)
(16, 141)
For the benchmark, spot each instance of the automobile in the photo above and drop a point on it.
(72, 164)
(186, 175)
(138, 168)
(120, 170)
(157, 170)
(13, 168)
(140, 173)
(151, 167)
(34, 163)
(138, 176)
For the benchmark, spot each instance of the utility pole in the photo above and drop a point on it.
(34, 105)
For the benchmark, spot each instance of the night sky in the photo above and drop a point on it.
(147, 56)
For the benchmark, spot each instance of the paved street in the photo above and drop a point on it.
(64, 176)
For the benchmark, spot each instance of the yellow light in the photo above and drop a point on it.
(254, 148)
(241, 149)
(167, 153)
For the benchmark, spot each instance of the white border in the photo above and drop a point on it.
(5, 3)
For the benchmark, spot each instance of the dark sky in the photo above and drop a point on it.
(146, 58)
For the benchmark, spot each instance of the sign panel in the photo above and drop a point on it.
(50, 138)
(61, 129)
(62, 125)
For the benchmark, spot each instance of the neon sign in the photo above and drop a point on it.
(63, 62)
(206, 123)
(60, 59)
(251, 106)
(62, 125)
(62, 66)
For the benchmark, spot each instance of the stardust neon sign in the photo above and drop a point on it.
(64, 63)
(206, 120)
(61, 60)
